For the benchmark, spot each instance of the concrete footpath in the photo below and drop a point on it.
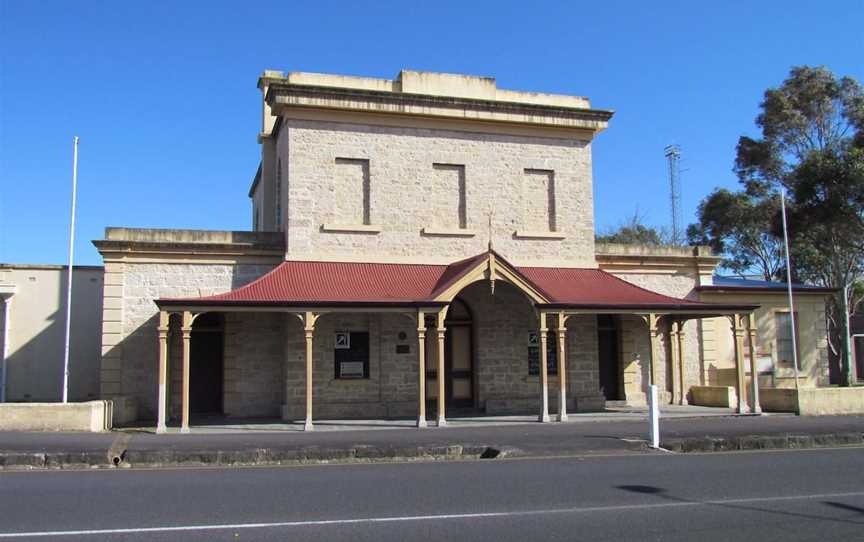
(136, 448)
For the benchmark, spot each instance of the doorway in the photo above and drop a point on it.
(458, 359)
(206, 364)
(608, 356)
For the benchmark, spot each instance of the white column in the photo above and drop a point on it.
(421, 369)
(6, 299)
(562, 367)
(755, 407)
(682, 380)
(544, 372)
(309, 329)
(442, 420)
(163, 371)
(187, 337)
(740, 376)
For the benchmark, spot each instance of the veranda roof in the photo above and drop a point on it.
(318, 283)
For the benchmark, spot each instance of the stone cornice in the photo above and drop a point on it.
(156, 244)
(282, 96)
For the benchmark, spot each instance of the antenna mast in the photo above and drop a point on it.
(673, 157)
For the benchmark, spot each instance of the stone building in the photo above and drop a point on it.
(419, 244)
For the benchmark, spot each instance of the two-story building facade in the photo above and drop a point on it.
(421, 247)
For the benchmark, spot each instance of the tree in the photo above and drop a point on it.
(812, 146)
(739, 226)
(634, 231)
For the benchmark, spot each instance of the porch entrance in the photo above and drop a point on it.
(206, 364)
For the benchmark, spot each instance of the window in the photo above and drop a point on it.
(534, 354)
(539, 201)
(353, 192)
(448, 208)
(279, 194)
(351, 353)
(783, 330)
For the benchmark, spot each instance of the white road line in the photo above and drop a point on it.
(399, 519)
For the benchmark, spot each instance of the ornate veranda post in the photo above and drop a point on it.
(421, 368)
(740, 372)
(163, 371)
(186, 329)
(562, 367)
(755, 407)
(544, 371)
(654, 332)
(673, 354)
(309, 320)
(682, 382)
(442, 420)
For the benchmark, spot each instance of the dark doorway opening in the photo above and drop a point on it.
(458, 360)
(609, 358)
(206, 364)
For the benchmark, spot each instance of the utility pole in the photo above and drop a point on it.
(789, 286)
(69, 270)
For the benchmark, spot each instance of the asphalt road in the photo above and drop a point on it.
(788, 496)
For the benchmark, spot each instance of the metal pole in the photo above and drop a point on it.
(69, 271)
(653, 417)
(847, 341)
(4, 350)
(789, 286)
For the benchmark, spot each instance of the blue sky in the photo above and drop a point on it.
(163, 94)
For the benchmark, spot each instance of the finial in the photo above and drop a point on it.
(491, 212)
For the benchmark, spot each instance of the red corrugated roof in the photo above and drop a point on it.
(308, 282)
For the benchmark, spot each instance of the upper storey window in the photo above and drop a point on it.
(539, 200)
(446, 204)
(352, 193)
(539, 214)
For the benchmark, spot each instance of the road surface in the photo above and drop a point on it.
(785, 496)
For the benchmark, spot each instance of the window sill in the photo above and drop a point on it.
(350, 228)
(525, 234)
(446, 232)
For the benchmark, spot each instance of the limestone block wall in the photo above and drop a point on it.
(390, 390)
(254, 364)
(407, 193)
(129, 339)
(635, 358)
(681, 284)
(502, 323)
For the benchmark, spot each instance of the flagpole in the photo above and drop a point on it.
(69, 271)
(789, 286)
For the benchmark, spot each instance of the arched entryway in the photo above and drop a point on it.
(459, 356)
(459, 384)
(206, 364)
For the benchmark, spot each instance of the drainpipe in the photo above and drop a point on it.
(6, 293)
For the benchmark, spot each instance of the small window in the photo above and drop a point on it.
(783, 323)
(534, 354)
(351, 353)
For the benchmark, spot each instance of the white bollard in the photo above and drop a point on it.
(653, 417)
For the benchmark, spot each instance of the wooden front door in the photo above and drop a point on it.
(458, 358)
(459, 365)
